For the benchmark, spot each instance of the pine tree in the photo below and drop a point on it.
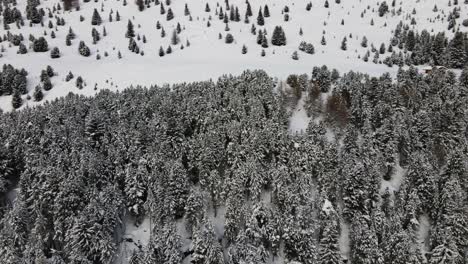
(248, 12)
(16, 100)
(170, 14)
(161, 52)
(364, 42)
(457, 52)
(96, 18)
(186, 10)
(266, 11)
(260, 19)
(130, 31)
(295, 56)
(175, 38)
(244, 49)
(329, 251)
(83, 49)
(344, 45)
(278, 38)
(22, 49)
(229, 38)
(38, 95)
(323, 41)
(260, 37)
(141, 5)
(55, 53)
(383, 8)
(47, 84)
(40, 45)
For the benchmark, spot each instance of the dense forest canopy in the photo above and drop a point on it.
(191, 152)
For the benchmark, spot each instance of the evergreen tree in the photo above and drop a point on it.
(40, 45)
(83, 49)
(344, 45)
(96, 18)
(244, 49)
(260, 19)
(55, 53)
(130, 31)
(141, 5)
(38, 95)
(170, 15)
(278, 38)
(266, 11)
(16, 100)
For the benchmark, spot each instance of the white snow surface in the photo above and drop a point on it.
(394, 183)
(423, 233)
(299, 121)
(133, 238)
(208, 57)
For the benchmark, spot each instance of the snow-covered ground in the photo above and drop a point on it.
(208, 57)
(299, 121)
(134, 238)
(395, 181)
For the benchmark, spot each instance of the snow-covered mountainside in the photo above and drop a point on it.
(202, 36)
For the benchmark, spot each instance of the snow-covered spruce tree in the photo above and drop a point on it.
(266, 11)
(170, 15)
(323, 41)
(47, 84)
(383, 8)
(295, 56)
(130, 31)
(141, 5)
(161, 52)
(175, 38)
(79, 82)
(229, 38)
(16, 100)
(83, 49)
(344, 45)
(135, 189)
(69, 76)
(260, 19)
(278, 38)
(244, 49)
(186, 10)
(96, 18)
(22, 49)
(38, 95)
(205, 247)
(328, 250)
(40, 45)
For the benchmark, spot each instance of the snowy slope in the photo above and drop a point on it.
(209, 57)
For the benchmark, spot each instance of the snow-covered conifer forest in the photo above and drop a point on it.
(234, 132)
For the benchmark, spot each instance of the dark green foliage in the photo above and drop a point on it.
(40, 45)
(96, 18)
(55, 53)
(279, 37)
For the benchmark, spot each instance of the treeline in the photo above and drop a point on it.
(190, 151)
(425, 48)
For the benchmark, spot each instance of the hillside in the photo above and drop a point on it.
(207, 56)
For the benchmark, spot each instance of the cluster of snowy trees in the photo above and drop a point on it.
(425, 48)
(205, 152)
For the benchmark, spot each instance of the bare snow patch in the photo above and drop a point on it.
(134, 238)
(423, 233)
(299, 120)
(395, 181)
(344, 240)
